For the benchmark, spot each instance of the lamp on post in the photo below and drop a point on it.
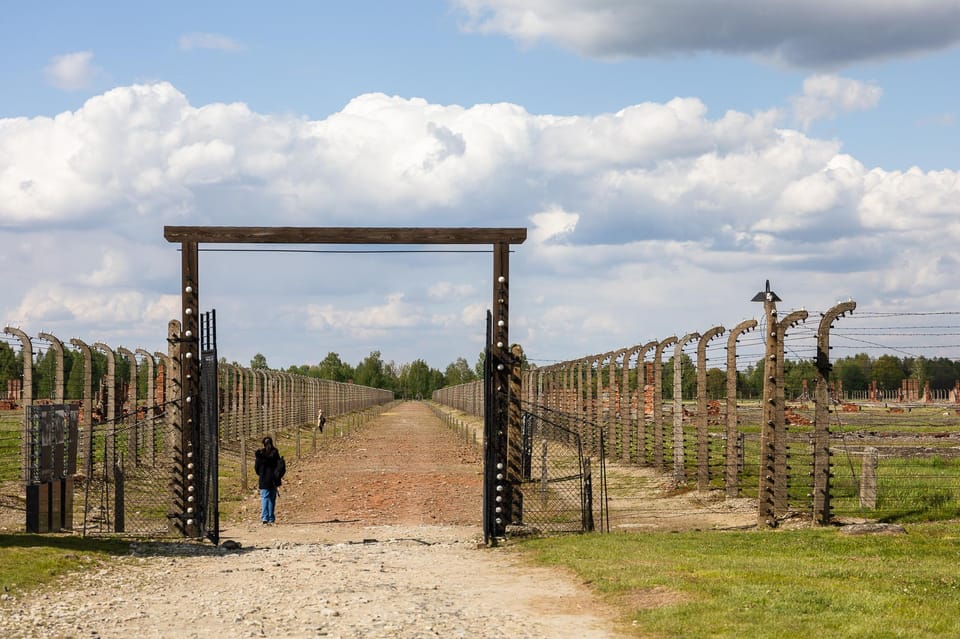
(765, 494)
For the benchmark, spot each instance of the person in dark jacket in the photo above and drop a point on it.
(265, 464)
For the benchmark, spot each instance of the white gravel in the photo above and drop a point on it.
(392, 582)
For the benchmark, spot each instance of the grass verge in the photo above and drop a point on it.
(772, 584)
(31, 561)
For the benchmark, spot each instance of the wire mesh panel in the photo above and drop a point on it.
(128, 488)
(556, 481)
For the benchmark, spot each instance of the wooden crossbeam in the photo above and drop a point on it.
(342, 235)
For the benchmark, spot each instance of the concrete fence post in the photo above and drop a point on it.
(57, 345)
(734, 452)
(26, 397)
(703, 434)
(821, 423)
(780, 475)
(658, 430)
(679, 462)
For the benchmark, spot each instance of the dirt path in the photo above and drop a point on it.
(377, 536)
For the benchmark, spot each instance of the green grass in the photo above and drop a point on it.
(30, 561)
(777, 584)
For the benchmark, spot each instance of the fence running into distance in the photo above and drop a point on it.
(125, 411)
(822, 455)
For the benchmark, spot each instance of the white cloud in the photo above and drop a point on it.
(371, 320)
(72, 71)
(638, 219)
(448, 290)
(216, 41)
(826, 96)
(815, 33)
(553, 224)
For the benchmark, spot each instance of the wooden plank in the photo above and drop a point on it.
(342, 235)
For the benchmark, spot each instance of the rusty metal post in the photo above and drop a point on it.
(733, 452)
(679, 454)
(703, 435)
(780, 493)
(821, 427)
(658, 430)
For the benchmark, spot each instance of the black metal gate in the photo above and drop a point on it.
(556, 477)
(207, 436)
(491, 529)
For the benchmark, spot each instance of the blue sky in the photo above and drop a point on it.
(649, 147)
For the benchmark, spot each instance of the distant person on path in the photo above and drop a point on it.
(321, 420)
(269, 468)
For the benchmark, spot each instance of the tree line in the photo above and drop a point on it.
(418, 379)
(407, 381)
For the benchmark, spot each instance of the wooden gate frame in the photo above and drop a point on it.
(190, 238)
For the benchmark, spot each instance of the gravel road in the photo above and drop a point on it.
(377, 536)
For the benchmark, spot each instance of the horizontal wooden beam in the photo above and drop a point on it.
(342, 235)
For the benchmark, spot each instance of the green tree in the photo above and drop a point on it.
(11, 366)
(688, 372)
(259, 362)
(888, 372)
(370, 372)
(716, 383)
(855, 372)
(943, 373)
(418, 381)
(44, 374)
(458, 372)
(334, 369)
(793, 375)
(75, 375)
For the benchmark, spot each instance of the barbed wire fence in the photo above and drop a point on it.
(890, 453)
(125, 402)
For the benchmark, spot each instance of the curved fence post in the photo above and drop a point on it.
(109, 388)
(821, 429)
(26, 396)
(679, 470)
(658, 434)
(734, 451)
(58, 373)
(85, 448)
(150, 407)
(640, 445)
(703, 435)
(133, 429)
(780, 493)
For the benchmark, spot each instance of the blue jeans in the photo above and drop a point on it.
(268, 503)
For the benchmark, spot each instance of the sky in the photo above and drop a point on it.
(666, 159)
